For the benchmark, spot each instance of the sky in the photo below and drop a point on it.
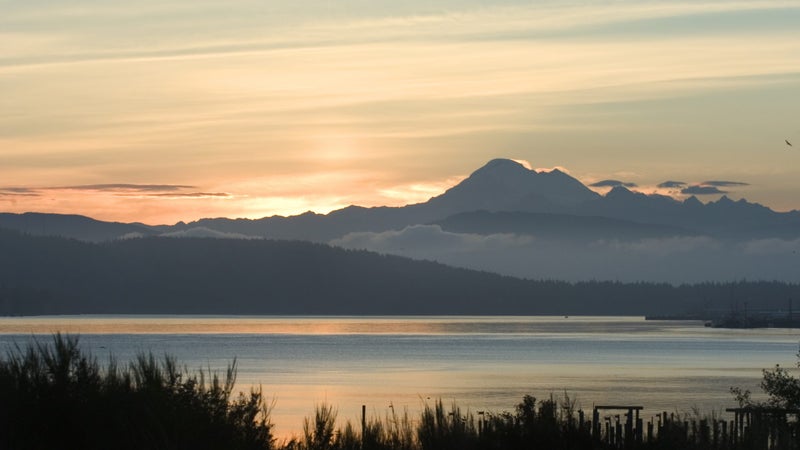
(160, 111)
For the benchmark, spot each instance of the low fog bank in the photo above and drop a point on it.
(203, 232)
(674, 260)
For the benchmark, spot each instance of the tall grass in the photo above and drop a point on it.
(54, 396)
(546, 424)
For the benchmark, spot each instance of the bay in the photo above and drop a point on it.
(392, 364)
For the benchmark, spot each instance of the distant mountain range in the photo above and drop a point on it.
(554, 198)
(71, 226)
(507, 219)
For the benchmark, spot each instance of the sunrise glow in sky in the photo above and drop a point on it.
(159, 111)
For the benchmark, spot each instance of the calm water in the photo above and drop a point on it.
(483, 363)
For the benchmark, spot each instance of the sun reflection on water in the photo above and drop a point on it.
(483, 363)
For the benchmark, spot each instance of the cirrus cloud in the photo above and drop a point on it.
(702, 190)
(672, 184)
(612, 183)
(193, 195)
(124, 187)
(18, 192)
(174, 191)
(724, 183)
(711, 187)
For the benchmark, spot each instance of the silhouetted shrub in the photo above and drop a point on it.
(54, 396)
(318, 434)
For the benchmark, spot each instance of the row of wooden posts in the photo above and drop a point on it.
(766, 428)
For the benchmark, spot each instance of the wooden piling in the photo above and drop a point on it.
(629, 427)
(725, 433)
(363, 422)
(596, 422)
(715, 433)
(638, 432)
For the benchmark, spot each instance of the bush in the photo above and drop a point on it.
(54, 396)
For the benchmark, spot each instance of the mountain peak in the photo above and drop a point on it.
(724, 200)
(506, 185)
(502, 162)
(501, 177)
(692, 202)
(619, 192)
(503, 166)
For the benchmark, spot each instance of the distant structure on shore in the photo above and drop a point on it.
(741, 318)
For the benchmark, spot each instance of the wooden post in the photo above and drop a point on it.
(639, 432)
(725, 433)
(740, 431)
(660, 424)
(629, 427)
(363, 423)
(715, 434)
(596, 422)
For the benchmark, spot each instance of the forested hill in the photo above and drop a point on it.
(49, 275)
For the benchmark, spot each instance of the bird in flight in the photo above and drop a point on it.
(788, 143)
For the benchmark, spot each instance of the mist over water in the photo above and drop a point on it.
(483, 363)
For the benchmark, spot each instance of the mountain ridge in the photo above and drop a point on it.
(501, 185)
(156, 275)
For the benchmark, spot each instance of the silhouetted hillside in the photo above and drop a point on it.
(558, 226)
(47, 275)
(71, 226)
(43, 275)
